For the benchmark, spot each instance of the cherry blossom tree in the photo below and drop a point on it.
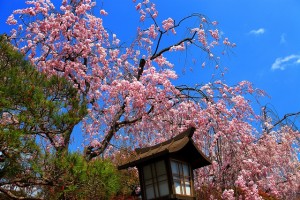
(132, 97)
(127, 87)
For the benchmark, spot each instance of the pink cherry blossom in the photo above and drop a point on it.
(103, 12)
(11, 20)
(168, 23)
(138, 6)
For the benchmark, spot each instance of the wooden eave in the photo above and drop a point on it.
(181, 145)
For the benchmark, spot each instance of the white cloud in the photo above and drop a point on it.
(282, 38)
(258, 31)
(283, 63)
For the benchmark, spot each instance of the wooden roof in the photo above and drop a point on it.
(181, 146)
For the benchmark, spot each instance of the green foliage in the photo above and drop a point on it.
(16, 148)
(80, 179)
(37, 103)
(36, 112)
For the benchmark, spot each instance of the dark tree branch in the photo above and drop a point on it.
(25, 182)
(141, 68)
(127, 122)
(158, 42)
(184, 88)
(9, 194)
(286, 116)
(190, 39)
(91, 153)
(161, 33)
(105, 142)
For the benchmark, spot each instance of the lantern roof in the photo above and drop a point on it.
(180, 146)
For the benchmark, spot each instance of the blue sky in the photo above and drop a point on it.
(267, 34)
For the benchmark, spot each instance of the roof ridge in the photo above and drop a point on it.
(187, 133)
